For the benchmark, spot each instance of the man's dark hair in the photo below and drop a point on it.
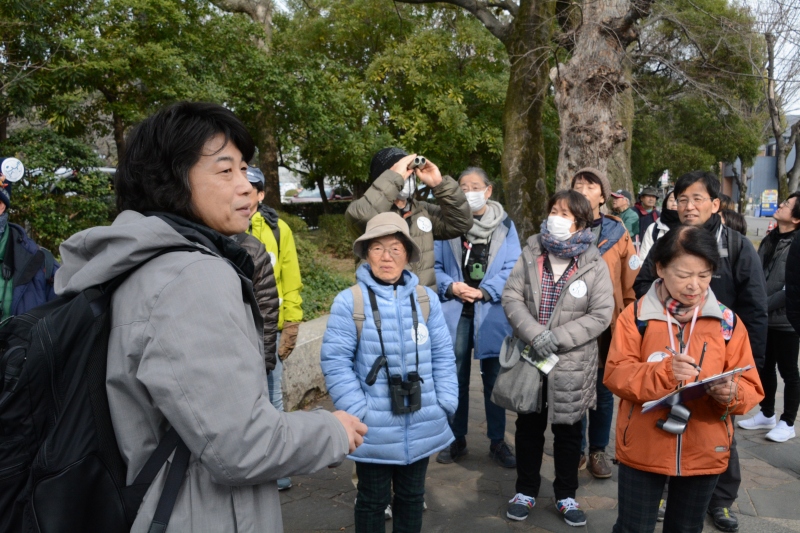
(686, 240)
(709, 181)
(796, 208)
(735, 221)
(153, 172)
(577, 204)
(258, 185)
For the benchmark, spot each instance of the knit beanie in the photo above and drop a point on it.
(383, 160)
(605, 185)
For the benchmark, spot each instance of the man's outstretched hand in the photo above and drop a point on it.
(354, 427)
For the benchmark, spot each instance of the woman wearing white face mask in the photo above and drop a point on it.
(471, 271)
(558, 299)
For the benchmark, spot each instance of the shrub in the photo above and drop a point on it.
(295, 223)
(321, 284)
(336, 235)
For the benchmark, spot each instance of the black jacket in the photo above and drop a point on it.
(775, 272)
(793, 285)
(741, 287)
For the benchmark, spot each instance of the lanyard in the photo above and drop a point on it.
(691, 330)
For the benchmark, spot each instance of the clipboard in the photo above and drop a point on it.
(691, 391)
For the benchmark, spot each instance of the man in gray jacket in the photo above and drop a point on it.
(393, 189)
(186, 345)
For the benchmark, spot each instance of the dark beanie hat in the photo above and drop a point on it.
(383, 160)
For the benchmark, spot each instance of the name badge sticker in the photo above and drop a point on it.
(634, 262)
(422, 334)
(424, 223)
(578, 289)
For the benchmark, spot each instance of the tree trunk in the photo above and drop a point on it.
(619, 164)
(522, 162)
(775, 112)
(793, 175)
(588, 87)
(119, 135)
(268, 159)
(741, 183)
(320, 182)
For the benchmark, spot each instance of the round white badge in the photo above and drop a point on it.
(272, 259)
(634, 262)
(578, 289)
(424, 223)
(657, 357)
(422, 334)
(13, 169)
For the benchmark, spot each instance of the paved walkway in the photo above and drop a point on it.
(472, 495)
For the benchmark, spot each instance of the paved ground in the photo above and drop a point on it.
(472, 496)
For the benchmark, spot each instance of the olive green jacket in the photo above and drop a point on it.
(427, 222)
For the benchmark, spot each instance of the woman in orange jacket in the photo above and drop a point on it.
(677, 333)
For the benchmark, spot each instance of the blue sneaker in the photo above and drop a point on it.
(573, 516)
(520, 507)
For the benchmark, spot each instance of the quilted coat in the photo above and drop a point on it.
(391, 439)
(583, 311)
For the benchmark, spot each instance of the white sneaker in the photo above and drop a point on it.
(758, 422)
(781, 433)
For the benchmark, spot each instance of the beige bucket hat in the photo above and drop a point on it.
(382, 225)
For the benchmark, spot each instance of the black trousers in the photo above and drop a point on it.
(375, 483)
(727, 489)
(782, 350)
(639, 494)
(529, 442)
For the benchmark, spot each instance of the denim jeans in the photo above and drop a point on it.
(274, 379)
(490, 367)
(599, 418)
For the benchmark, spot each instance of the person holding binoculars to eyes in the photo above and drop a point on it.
(678, 332)
(388, 359)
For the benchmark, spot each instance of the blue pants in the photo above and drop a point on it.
(599, 418)
(274, 379)
(495, 416)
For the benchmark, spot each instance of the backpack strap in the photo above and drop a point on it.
(424, 302)
(641, 325)
(734, 247)
(358, 310)
(276, 231)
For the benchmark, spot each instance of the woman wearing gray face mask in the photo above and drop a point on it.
(393, 187)
(471, 271)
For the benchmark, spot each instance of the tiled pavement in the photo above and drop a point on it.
(472, 495)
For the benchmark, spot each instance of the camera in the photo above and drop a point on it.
(400, 389)
(676, 421)
(419, 161)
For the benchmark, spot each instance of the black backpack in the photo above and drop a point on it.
(60, 467)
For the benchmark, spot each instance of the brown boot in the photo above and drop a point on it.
(598, 465)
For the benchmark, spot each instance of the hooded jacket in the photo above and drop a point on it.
(651, 235)
(617, 249)
(630, 217)
(582, 312)
(704, 448)
(740, 286)
(775, 273)
(490, 323)
(266, 292)
(285, 265)
(184, 351)
(31, 275)
(346, 361)
(451, 218)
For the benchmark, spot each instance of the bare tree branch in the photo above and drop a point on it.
(625, 27)
(482, 10)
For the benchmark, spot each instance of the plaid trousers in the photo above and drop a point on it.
(375, 483)
(640, 493)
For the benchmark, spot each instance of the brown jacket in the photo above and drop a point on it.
(704, 448)
(266, 292)
(451, 218)
(582, 312)
(617, 249)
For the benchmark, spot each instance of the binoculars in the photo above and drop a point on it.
(419, 161)
(400, 390)
(676, 421)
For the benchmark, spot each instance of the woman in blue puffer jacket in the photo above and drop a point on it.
(404, 430)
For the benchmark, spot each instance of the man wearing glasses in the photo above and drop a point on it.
(739, 284)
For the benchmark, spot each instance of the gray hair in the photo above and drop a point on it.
(477, 171)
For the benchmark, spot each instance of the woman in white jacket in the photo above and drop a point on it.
(668, 220)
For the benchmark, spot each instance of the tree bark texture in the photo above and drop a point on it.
(588, 86)
(619, 164)
(523, 162)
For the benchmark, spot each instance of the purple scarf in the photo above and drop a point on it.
(572, 247)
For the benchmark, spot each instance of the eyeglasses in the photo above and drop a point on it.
(395, 251)
(785, 203)
(696, 201)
